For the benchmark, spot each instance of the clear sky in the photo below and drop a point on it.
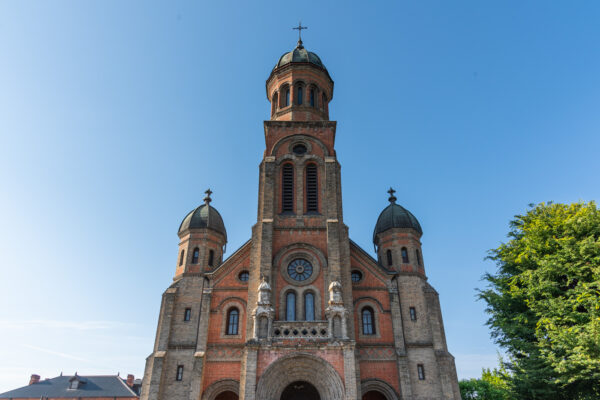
(116, 116)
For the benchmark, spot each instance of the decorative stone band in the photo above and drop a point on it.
(311, 330)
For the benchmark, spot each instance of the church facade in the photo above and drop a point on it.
(300, 311)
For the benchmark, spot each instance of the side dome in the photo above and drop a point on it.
(395, 216)
(299, 55)
(204, 216)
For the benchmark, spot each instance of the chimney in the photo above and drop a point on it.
(34, 379)
(130, 379)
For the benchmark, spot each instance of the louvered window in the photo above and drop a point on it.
(312, 198)
(287, 188)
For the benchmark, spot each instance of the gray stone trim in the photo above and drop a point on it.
(220, 386)
(380, 386)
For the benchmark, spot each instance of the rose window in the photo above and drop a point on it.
(300, 269)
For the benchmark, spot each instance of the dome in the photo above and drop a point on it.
(204, 216)
(300, 55)
(395, 216)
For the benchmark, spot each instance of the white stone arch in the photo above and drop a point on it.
(220, 386)
(300, 367)
(380, 386)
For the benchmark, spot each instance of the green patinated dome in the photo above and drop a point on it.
(395, 216)
(300, 55)
(204, 216)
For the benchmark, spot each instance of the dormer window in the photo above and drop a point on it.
(75, 382)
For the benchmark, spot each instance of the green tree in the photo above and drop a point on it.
(491, 386)
(544, 302)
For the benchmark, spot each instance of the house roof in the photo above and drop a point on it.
(89, 386)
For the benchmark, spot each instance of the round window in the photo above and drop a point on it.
(244, 276)
(356, 276)
(300, 269)
(299, 149)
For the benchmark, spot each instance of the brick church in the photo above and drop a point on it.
(300, 311)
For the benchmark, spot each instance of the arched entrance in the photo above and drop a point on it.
(304, 368)
(227, 395)
(373, 395)
(300, 390)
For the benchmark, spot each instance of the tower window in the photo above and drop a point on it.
(404, 253)
(390, 260)
(421, 372)
(181, 257)
(187, 315)
(413, 313)
(324, 101)
(290, 306)
(312, 197)
(287, 188)
(356, 276)
(233, 318)
(287, 97)
(368, 326)
(195, 255)
(312, 97)
(418, 257)
(244, 276)
(299, 149)
(179, 376)
(299, 94)
(211, 258)
(309, 307)
(274, 103)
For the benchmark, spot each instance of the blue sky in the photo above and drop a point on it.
(116, 116)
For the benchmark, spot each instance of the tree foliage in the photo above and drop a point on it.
(491, 386)
(544, 301)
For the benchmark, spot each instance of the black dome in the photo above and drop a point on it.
(300, 55)
(395, 216)
(204, 216)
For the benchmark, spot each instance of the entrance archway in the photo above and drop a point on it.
(227, 395)
(300, 390)
(373, 395)
(300, 367)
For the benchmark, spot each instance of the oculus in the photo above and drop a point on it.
(300, 269)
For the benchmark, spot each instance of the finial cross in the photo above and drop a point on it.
(299, 28)
(207, 199)
(392, 197)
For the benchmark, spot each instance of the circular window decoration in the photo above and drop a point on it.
(356, 276)
(300, 269)
(299, 149)
(244, 276)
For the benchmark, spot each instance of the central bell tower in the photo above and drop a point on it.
(300, 245)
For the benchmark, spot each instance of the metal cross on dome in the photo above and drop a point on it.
(392, 198)
(299, 28)
(207, 199)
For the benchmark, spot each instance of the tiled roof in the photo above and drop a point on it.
(89, 386)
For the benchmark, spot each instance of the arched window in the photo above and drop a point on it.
(309, 307)
(211, 258)
(418, 257)
(233, 321)
(181, 257)
(290, 306)
(312, 196)
(404, 253)
(390, 261)
(312, 97)
(287, 188)
(287, 97)
(368, 321)
(195, 255)
(299, 94)
(323, 101)
(274, 103)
